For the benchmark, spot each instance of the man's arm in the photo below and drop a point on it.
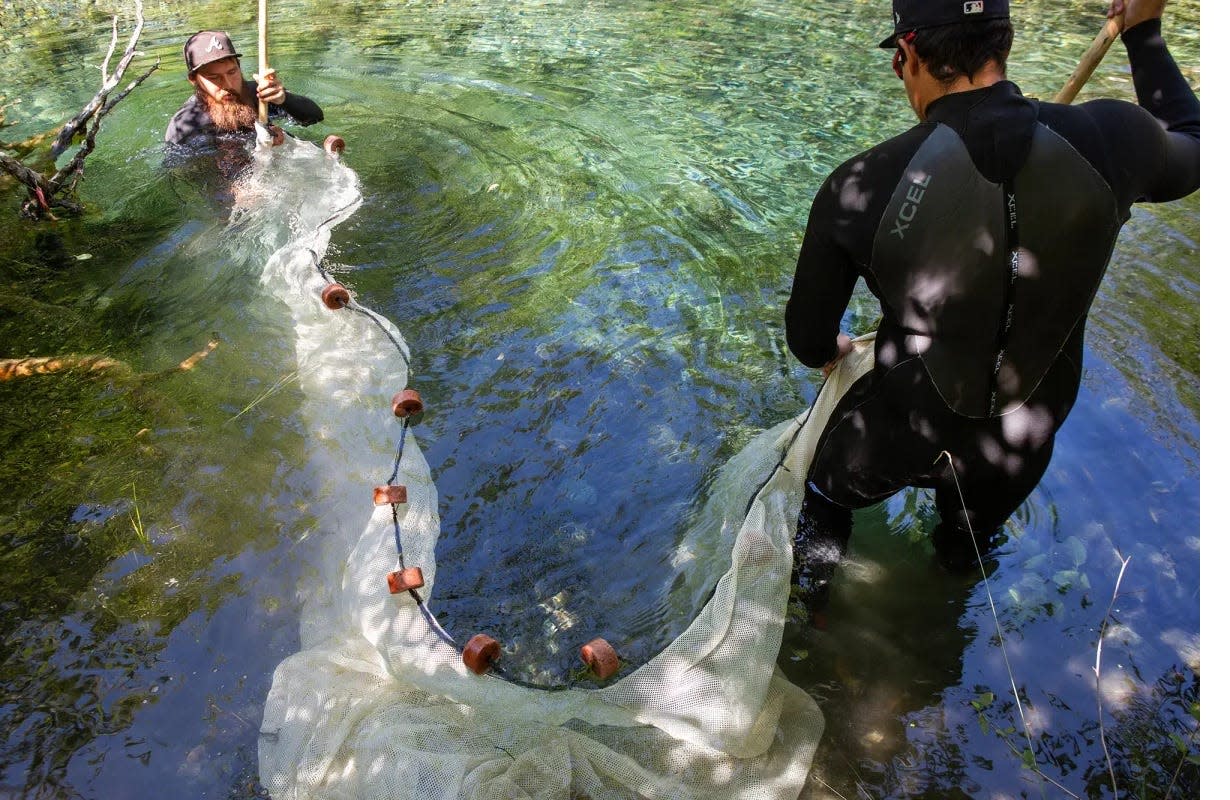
(1162, 91)
(1161, 147)
(301, 109)
(824, 280)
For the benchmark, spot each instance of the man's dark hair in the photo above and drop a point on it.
(952, 51)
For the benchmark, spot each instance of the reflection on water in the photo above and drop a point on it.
(584, 217)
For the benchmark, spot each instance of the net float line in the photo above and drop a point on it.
(481, 651)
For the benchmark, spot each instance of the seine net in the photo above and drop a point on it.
(378, 705)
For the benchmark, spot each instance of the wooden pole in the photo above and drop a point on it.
(263, 54)
(1089, 62)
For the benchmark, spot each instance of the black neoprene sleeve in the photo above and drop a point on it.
(1160, 87)
(301, 109)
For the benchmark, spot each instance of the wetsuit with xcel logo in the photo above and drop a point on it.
(984, 232)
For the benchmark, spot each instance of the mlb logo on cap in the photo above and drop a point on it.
(921, 15)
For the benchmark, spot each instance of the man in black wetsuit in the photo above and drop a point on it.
(984, 231)
(224, 104)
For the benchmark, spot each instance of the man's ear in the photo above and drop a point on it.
(912, 62)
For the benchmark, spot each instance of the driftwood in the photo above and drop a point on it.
(55, 191)
(13, 368)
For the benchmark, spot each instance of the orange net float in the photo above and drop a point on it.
(405, 580)
(335, 296)
(334, 144)
(407, 403)
(601, 658)
(388, 495)
(480, 652)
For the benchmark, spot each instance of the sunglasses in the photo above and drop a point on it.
(899, 56)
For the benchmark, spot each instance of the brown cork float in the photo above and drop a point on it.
(335, 296)
(601, 658)
(406, 403)
(388, 495)
(334, 144)
(405, 580)
(480, 652)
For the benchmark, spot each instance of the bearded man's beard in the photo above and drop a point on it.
(231, 114)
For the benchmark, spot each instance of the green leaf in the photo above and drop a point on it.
(1065, 579)
(1076, 551)
(1036, 563)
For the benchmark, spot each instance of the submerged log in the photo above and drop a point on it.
(13, 368)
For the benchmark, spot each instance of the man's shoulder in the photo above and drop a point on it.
(1103, 111)
(889, 157)
(192, 108)
(191, 119)
(1090, 125)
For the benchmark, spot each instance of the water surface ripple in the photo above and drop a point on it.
(583, 217)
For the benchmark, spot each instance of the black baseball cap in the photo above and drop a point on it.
(205, 47)
(917, 15)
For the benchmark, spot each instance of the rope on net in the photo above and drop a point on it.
(336, 297)
(334, 293)
(481, 652)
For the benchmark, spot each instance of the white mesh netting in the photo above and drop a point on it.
(376, 705)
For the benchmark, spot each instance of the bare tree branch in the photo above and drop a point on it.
(33, 180)
(74, 126)
(41, 195)
(74, 167)
(115, 37)
(43, 190)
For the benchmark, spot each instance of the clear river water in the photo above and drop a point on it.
(583, 218)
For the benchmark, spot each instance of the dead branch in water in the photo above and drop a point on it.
(196, 358)
(47, 193)
(13, 368)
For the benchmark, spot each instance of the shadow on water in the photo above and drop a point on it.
(585, 220)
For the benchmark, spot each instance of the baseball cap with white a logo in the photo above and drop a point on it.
(204, 47)
(917, 15)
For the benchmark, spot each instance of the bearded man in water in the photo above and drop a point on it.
(224, 104)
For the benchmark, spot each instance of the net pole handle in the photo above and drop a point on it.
(1089, 62)
(262, 31)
